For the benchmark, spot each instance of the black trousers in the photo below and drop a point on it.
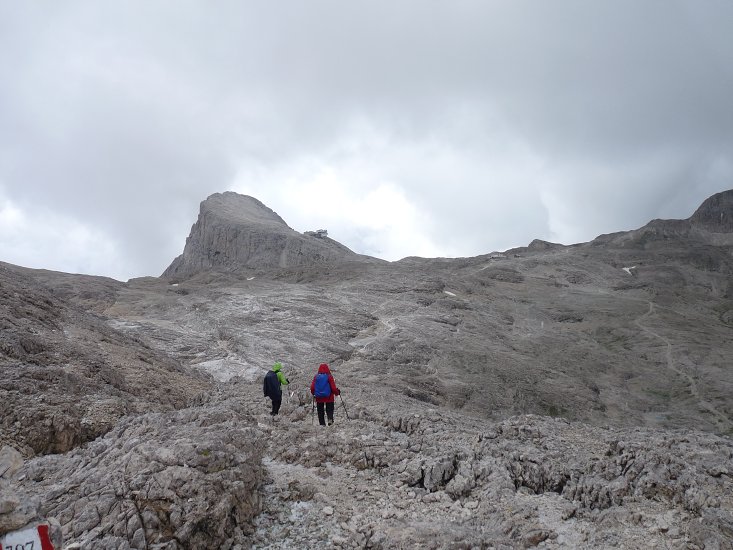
(276, 405)
(329, 413)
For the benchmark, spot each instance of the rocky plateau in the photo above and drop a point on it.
(548, 396)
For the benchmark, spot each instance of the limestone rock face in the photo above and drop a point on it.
(14, 513)
(716, 213)
(539, 244)
(236, 231)
(711, 224)
(66, 377)
(183, 479)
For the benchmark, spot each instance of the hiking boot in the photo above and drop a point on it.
(330, 422)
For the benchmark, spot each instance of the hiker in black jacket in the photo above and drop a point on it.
(272, 390)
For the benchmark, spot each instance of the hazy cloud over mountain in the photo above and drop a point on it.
(404, 128)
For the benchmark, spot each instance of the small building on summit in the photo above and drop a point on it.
(320, 233)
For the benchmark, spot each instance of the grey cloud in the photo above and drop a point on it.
(126, 115)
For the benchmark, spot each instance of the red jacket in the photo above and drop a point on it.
(323, 369)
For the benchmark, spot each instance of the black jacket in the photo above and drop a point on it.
(271, 386)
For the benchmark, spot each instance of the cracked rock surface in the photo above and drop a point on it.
(183, 479)
(523, 482)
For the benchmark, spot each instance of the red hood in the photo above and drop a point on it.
(323, 369)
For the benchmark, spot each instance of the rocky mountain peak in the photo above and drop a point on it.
(539, 244)
(240, 209)
(712, 223)
(236, 231)
(716, 213)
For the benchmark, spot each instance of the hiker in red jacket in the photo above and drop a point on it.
(324, 389)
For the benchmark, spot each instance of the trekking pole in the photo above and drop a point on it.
(288, 393)
(344, 405)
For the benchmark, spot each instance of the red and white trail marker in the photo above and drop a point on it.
(32, 538)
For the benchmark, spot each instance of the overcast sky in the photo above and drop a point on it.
(409, 127)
